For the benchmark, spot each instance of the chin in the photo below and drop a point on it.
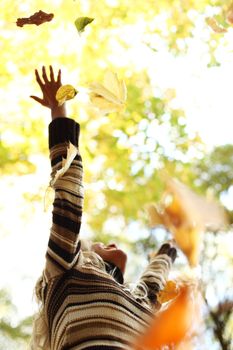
(121, 260)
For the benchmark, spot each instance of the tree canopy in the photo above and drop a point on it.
(124, 153)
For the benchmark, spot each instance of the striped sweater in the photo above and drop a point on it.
(84, 306)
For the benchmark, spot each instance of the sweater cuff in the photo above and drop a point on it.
(63, 130)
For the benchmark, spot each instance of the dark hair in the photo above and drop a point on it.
(114, 271)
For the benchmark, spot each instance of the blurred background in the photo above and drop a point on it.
(178, 68)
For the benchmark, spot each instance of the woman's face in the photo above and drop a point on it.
(111, 254)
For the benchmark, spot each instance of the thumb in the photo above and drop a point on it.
(37, 99)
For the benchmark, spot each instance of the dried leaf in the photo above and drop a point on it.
(64, 93)
(71, 154)
(82, 22)
(37, 18)
(171, 325)
(215, 26)
(109, 96)
(170, 291)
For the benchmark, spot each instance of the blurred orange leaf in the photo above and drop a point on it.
(171, 325)
(187, 215)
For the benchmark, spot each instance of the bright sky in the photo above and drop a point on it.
(206, 96)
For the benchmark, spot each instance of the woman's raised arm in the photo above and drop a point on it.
(64, 244)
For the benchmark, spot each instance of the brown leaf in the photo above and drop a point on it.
(37, 18)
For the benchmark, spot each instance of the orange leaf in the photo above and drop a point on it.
(170, 291)
(171, 325)
(187, 215)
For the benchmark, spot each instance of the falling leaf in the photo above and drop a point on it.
(214, 25)
(155, 218)
(109, 96)
(170, 291)
(71, 154)
(82, 22)
(171, 325)
(229, 15)
(64, 93)
(187, 215)
(200, 210)
(37, 18)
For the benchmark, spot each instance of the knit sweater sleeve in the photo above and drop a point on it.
(154, 278)
(64, 244)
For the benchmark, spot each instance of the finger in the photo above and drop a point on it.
(37, 99)
(173, 254)
(44, 75)
(38, 79)
(164, 249)
(59, 77)
(51, 73)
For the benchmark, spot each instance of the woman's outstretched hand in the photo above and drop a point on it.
(169, 248)
(49, 87)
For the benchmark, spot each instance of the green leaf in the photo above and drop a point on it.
(82, 22)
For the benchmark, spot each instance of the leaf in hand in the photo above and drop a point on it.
(215, 26)
(109, 96)
(71, 154)
(82, 22)
(37, 18)
(64, 93)
(170, 291)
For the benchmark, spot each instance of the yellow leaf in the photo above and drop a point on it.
(64, 93)
(71, 154)
(155, 218)
(109, 96)
(214, 25)
(170, 291)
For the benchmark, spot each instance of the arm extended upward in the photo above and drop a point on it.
(64, 243)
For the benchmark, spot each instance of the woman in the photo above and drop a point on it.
(84, 302)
